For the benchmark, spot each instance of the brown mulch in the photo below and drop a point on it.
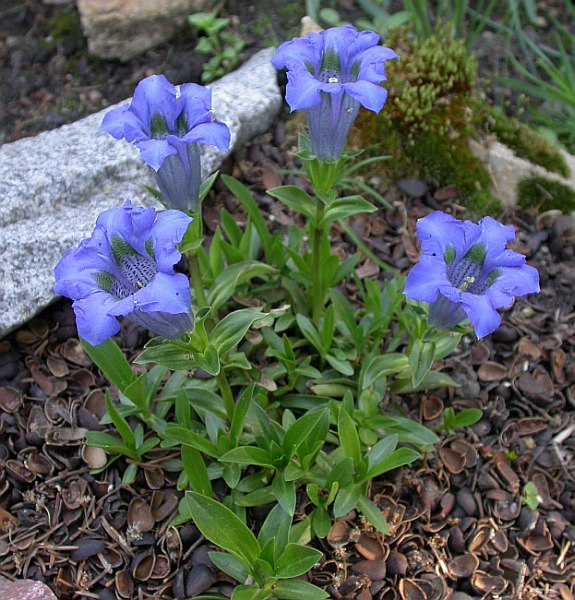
(460, 525)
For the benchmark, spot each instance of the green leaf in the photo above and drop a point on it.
(348, 437)
(248, 455)
(230, 564)
(169, 355)
(222, 527)
(468, 417)
(121, 425)
(250, 592)
(253, 210)
(184, 436)
(284, 492)
(227, 282)
(240, 412)
(312, 427)
(111, 361)
(382, 449)
(380, 366)
(310, 333)
(296, 560)
(341, 366)
(276, 527)
(421, 360)
(232, 328)
(432, 381)
(195, 469)
(110, 444)
(401, 456)
(296, 199)
(409, 431)
(209, 361)
(373, 514)
(346, 207)
(320, 522)
(295, 589)
(346, 500)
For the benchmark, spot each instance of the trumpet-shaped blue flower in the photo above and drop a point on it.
(330, 74)
(166, 123)
(466, 271)
(126, 268)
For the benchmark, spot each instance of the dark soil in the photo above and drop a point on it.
(461, 527)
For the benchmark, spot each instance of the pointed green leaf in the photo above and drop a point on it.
(112, 362)
(373, 514)
(296, 560)
(222, 527)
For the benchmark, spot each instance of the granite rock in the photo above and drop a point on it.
(507, 170)
(54, 185)
(25, 589)
(124, 28)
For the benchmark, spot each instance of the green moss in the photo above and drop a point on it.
(543, 194)
(65, 25)
(526, 143)
(429, 118)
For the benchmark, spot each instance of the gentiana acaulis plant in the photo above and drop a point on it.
(466, 271)
(330, 75)
(291, 409)
(126, 268)
(166, 123)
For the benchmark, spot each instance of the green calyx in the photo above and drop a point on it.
(449, 255)
(120, 249)
(477, 254)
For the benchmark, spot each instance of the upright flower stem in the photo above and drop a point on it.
(317, 292)
(226, 392)
(195, 232)
(196, 279)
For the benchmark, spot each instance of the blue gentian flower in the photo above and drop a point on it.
(126, 268)
(330, 74)
(466, 271)
(166, 123)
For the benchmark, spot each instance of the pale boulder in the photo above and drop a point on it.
(122, 29)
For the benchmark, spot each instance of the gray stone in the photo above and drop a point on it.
(54, 185)
(507, 170)
(25, 589)
(125, 28)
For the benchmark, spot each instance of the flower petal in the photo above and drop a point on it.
(303, 90)
(513, 282)
(155, 95)
(368, 94)
(425, 280)
(438, 231)
(93, 321)
(213, 133)
(154, 152)
(484, 318)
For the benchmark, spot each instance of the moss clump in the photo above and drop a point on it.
(433, 74)
(543, 194)
(65, 25)
(429, 117)
(526, 143)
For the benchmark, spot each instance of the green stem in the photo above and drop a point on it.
(317, 291)
(226, 392)
(196, 280)
(196, 231)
